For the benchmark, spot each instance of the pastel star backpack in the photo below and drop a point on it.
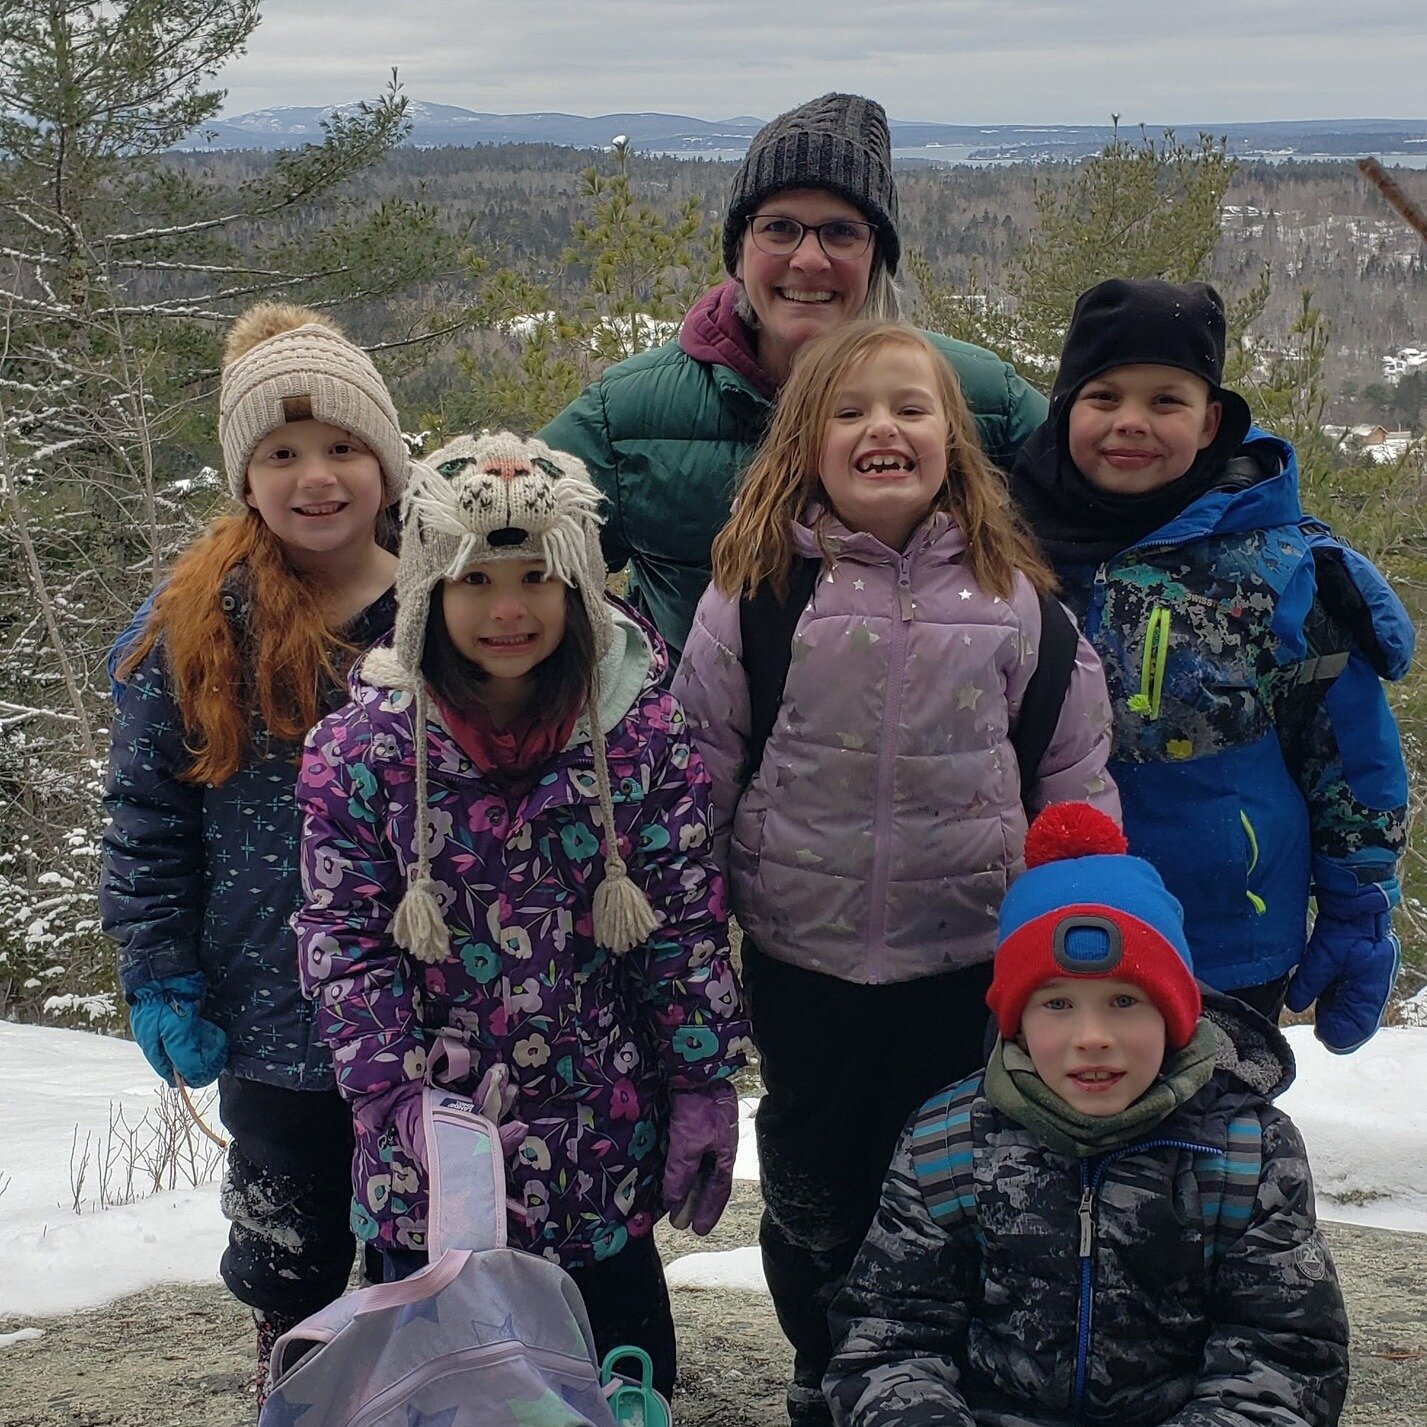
(484, 1336)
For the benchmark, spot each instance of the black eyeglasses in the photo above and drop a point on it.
(841, 239)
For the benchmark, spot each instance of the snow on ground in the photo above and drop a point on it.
(56, 1087)
(1366, 1135)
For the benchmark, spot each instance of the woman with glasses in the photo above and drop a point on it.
(810, 241)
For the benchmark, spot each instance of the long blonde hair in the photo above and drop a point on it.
(756, 545)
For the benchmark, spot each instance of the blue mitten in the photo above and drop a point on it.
(1349, 965)
(172, 1035)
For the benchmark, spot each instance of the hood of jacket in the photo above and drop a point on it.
(713, 332)
(1227, 505)
(1252, 1051)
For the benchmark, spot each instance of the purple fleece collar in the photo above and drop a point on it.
(712, 331)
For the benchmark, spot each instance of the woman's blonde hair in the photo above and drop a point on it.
(756, 544)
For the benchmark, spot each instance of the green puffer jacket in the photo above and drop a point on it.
(667, 434)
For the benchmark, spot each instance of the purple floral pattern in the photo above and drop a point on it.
(594, 1042)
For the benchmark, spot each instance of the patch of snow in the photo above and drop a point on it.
(1366, 1138)
(738, 1270)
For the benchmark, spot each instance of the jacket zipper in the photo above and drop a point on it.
(1099, 594)
(882, 811)
(1156, 655)
(1090, 1183)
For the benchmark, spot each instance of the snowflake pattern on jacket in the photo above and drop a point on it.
(197, 878)
(594, 1042)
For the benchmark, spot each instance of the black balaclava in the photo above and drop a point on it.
(1121, 323)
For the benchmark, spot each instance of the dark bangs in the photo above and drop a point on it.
(562, 682)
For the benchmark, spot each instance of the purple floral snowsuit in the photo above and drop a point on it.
(593, 1042)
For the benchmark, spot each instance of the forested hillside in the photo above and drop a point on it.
(442, 261)
(1315, 225)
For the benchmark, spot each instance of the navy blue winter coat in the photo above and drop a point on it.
(198, 878)
(1253, 746)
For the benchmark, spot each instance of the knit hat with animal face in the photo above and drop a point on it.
(481, 499)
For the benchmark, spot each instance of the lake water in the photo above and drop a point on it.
(960, 154)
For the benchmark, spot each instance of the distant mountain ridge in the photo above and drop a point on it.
(440, 125)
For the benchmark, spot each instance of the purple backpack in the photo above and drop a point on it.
(484, 1336)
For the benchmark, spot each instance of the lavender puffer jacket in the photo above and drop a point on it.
(877, 838)
(593, 1042)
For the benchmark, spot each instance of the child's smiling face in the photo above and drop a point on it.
(1134, 429)
(506, 617)
(884, 449)
(317, 488)
(1098, 1043)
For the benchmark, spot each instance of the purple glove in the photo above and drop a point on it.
(1348, 967)
(703, 1142)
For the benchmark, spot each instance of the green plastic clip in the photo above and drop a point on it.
(633, 1401)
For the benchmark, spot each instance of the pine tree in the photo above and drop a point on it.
(121, 264)
(1141, 208)
(625, 281)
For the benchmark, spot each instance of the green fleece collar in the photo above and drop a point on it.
(624, 670)
(1015, 1089)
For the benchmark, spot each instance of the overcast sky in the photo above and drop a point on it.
(957, 61)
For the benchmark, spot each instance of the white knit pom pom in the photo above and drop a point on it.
(623, 916)
(418, 926)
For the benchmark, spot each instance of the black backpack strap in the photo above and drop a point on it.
(1045, 694)
(766, 625)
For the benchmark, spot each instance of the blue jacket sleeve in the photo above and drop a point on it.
(1341, 744)
(151, 878)
(125, 642)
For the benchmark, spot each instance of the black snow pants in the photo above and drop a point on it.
(843, 1066)
(287, 1194)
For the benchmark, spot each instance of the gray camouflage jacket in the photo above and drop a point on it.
(1006, 1323)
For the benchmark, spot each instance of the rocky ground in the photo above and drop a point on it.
(181, 1356)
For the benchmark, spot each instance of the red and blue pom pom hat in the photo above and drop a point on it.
(1084, 907)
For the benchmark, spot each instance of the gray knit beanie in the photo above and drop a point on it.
(281, 360)
(479, 499)
(840, 143)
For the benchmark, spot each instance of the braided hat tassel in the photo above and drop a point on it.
(623, 918)
(418, 926)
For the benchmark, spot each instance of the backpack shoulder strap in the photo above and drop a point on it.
(942, 1155)
(1045, 693)
(1228, 1186)
(766, 625)
(467, 1175)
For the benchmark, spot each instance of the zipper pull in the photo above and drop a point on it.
(1087, 1220)
(1094, 607)
(904, 592)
